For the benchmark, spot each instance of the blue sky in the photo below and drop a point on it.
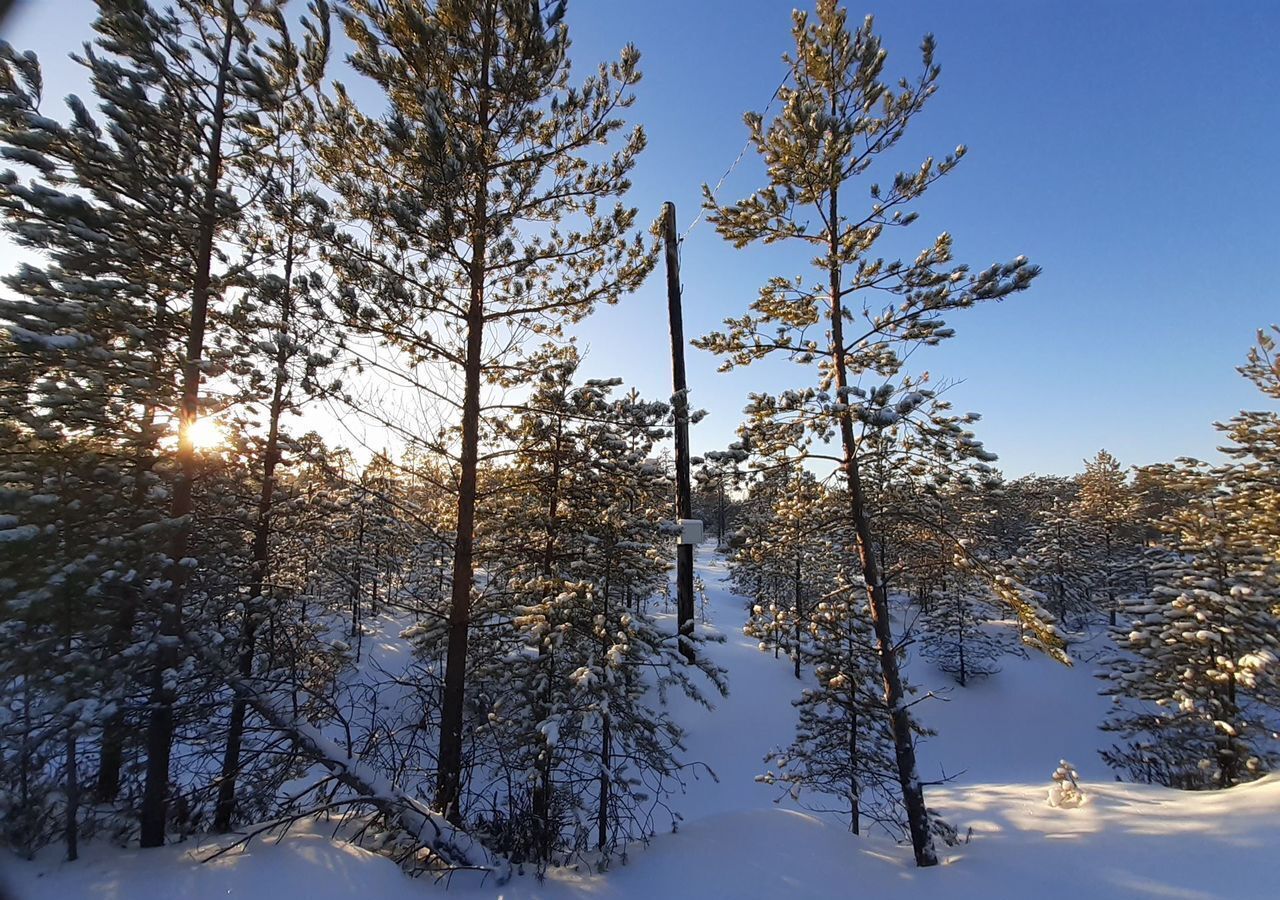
(1129, 148)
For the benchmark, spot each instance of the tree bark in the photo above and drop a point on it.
(606, 748)
(111, 749)
(855, 823)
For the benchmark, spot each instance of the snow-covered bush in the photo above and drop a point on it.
(1065, 792)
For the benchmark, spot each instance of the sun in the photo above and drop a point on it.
(206, 433)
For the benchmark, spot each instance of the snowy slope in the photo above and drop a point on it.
(1001, 739)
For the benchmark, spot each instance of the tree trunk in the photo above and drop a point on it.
(456, 848)
(720, 525)
(1111, 590)
(449, 765)
(602, 816)
(357, 580)
(799, 617)
(1228, 757)
(111, 750)
(224, 809)
(894, 692)
(71, 829)
(155, 795)
(855, 796)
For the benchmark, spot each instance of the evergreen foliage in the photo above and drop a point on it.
(1195, 686)
(839, 113)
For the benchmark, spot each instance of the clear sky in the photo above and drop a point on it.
(1129, 148)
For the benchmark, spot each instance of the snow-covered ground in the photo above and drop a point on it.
(999, 740)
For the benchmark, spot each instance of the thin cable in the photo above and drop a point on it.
(741, 153)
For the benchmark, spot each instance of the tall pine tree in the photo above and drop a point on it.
(490, 217)
(838, 117)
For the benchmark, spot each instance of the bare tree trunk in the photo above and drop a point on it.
(602, 816)
(721, 523)
(1228, 755)
(111, 750)
(1111, 590)
(71, 829)
(357, 582)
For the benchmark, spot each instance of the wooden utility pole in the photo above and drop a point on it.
(6, 7)
(680, 404)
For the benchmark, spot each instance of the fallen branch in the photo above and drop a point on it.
(451, 847)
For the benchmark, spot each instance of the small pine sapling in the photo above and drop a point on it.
(1065, 792)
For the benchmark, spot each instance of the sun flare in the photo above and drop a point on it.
(206, 433)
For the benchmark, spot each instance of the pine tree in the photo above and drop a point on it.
(783, 555)
(84, 368)
(1255, 446)
(958, 637)
(1197, 694)
(1058, 560)
(838, 115)
(1193, 691)
(132, 274)
(487, 221)
(1106, 506)
(573, 545)
(843, 749)
(278, 367)
(792, 558)
(713, 497)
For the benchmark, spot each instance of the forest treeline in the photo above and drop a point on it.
(202, 626)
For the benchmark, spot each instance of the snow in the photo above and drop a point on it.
(70, 341)
(999, 739)
(18, 533)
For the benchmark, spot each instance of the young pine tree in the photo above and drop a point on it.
(577, 669)
(842, 752)
(1194, 688)
(1106, 506)
(958, 636)
(1058, 560)
(1197, 692)
(782, 555)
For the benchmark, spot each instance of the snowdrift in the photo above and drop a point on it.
(999, 739)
